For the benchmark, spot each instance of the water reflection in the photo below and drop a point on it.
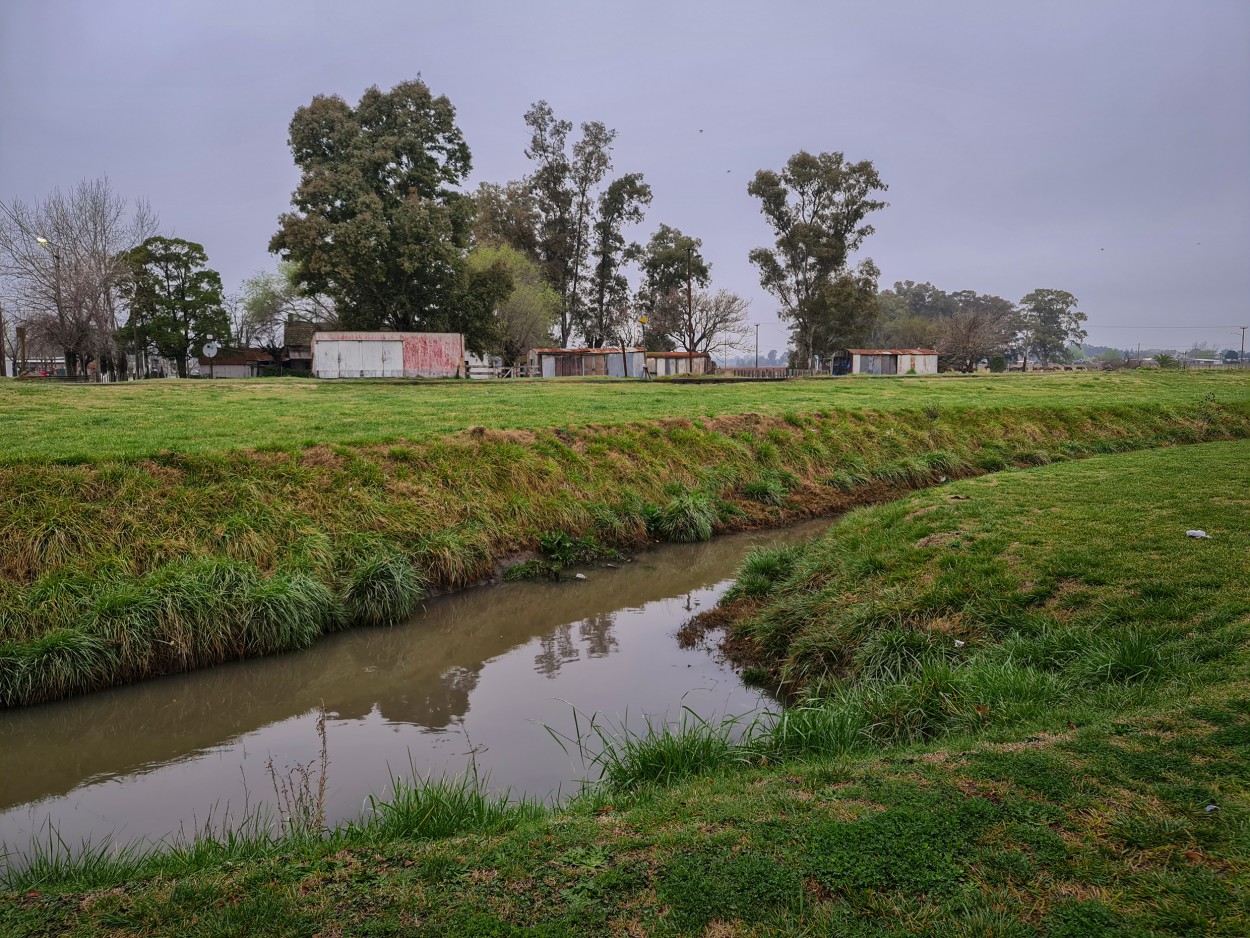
(484, 664)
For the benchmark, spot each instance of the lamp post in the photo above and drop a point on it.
(56, 285)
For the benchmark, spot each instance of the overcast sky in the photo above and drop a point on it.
(1097, 147)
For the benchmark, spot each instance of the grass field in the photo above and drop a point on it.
(69, 424)
(1029, 718)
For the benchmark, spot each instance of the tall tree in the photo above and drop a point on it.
(670, 260)
(817, 208)
(1049, 323)
(909, 314)
(564, 186)
(622, 203)
(174, 298)
(506, 216)
(525, 317)
(379, 225)
(60, 262)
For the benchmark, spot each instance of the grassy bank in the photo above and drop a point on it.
(127, 568)
(86, 424)
(1061, 748)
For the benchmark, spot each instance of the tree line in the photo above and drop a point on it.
(381, 234)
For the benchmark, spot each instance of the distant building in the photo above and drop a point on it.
(884, 361)
(297, 345)
(587, 362)
(661, 364)
(388, 355)
(234, 363)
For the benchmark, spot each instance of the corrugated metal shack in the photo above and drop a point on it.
(388, 355)
(661, 364)
(588, 362)
(884, 361)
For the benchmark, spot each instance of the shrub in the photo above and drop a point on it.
(768, 491)
(382, 590)
(685, 519)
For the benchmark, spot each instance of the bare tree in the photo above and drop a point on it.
(979, 327)
(707, 322)
(60, 262)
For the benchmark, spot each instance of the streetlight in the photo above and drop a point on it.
(56, 284)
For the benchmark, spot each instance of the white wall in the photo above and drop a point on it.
(353, 358)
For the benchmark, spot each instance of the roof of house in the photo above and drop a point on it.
(298, 333)
(678, 355)
(892, 351)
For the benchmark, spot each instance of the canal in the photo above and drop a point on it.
(479, 677)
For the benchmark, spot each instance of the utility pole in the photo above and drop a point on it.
(689, 294)
(757, 345)
(1241, 356)
(4, 369)
(56, 285)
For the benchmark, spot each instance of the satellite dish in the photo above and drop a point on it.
(210, 349)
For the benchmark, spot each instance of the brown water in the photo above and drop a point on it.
(476, 676)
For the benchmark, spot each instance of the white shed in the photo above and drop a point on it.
(885, 361)
(588, 362)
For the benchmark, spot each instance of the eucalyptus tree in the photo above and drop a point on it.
(1049, 323)
(622, 203)
(565, 184)
(816, 207)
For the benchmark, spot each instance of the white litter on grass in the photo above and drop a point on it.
(579, 576)
(1197, 534)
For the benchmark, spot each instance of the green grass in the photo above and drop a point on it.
(87, 424)
(140, 565)
(1078, 766)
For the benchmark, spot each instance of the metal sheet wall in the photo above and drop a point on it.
(388, 355)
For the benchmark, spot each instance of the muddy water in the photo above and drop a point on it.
(477, 676)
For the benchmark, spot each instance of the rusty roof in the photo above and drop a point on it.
(892, 351)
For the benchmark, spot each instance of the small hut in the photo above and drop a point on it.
(885, 361)
(587, 362)
(660, 364)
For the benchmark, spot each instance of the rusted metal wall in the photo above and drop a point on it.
(388, 354)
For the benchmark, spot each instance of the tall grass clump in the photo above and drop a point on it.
(60, 662)
(816, 729)
(432, 808)
(686, 518)
(770, 490)
(661, 752)
(1131, 655)
(287, 611)
(383, 589)
(762, 570)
